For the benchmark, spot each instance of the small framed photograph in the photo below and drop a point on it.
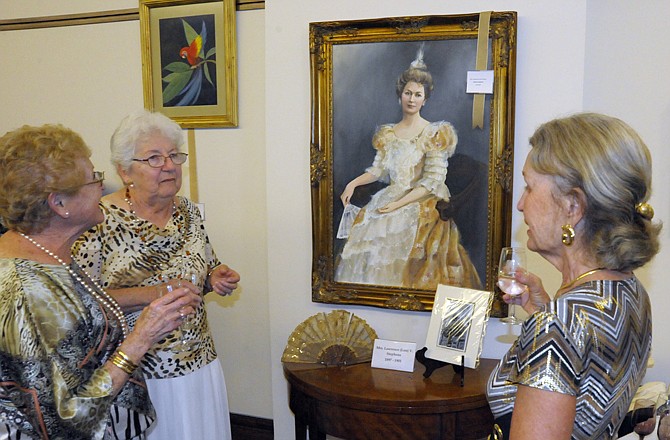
(458, 324)
(189, 66)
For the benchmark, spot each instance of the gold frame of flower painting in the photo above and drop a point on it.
(189, 61)
(361, 258)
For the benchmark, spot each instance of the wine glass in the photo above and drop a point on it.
(663, 412)
(183, 344)
(644, 417)
(169, 288)
(512, 260)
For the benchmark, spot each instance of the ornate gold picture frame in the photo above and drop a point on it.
(354, 69)
(189, 65)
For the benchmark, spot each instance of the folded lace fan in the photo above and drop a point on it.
(336, 338)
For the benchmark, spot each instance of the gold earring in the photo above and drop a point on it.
(568, 236)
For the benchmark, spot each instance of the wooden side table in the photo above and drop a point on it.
(358, 402)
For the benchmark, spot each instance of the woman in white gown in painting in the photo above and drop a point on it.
(398, 238)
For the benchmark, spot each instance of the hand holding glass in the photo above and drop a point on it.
(183, 344)
(644, 417)
(512, 261)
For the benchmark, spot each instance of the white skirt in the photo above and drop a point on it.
(191, 407)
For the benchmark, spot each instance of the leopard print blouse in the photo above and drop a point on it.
(127, 251)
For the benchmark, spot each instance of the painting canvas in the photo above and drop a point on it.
(377, 240)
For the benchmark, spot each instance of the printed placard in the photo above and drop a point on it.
(393, 355)
(480, 81)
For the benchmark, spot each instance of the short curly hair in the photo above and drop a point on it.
(607, 160)
(135, 128)
(34, 162)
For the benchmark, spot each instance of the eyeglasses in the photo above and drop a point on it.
(98, 177)
(158, 160)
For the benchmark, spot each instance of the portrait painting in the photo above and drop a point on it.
(407, 193)
(189, 67)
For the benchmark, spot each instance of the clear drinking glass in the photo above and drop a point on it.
(183, 344)
(187, 344)
(162, 290)
(644, 417)
(512, 260)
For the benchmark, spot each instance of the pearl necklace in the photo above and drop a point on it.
(102, 297)
(584, 275)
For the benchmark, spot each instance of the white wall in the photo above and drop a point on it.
(15, 9)
(628, 60)
(254, 179)
(550, 69)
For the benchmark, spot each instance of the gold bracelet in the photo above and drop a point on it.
(122, 364)
(126, 358)
(121, 360)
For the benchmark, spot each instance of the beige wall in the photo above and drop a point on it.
(88, 78)
(572, 55)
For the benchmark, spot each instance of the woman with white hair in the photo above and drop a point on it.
(153, 241)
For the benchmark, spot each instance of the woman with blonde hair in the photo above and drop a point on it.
(582, 354)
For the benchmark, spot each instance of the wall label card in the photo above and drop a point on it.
(480, 81)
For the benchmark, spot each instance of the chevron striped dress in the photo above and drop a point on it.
(592, 342)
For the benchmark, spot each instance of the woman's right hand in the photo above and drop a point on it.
(347, 193)
(156, 321)
(166, 313)
(363, 179)
(535, 297)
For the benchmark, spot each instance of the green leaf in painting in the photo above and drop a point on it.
(205, 67)
(176, 83)
(177, 66)
(189, 32)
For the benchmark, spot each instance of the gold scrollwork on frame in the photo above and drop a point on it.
(354, 68)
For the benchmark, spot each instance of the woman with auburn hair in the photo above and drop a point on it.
(398, 238)
(68, 359)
